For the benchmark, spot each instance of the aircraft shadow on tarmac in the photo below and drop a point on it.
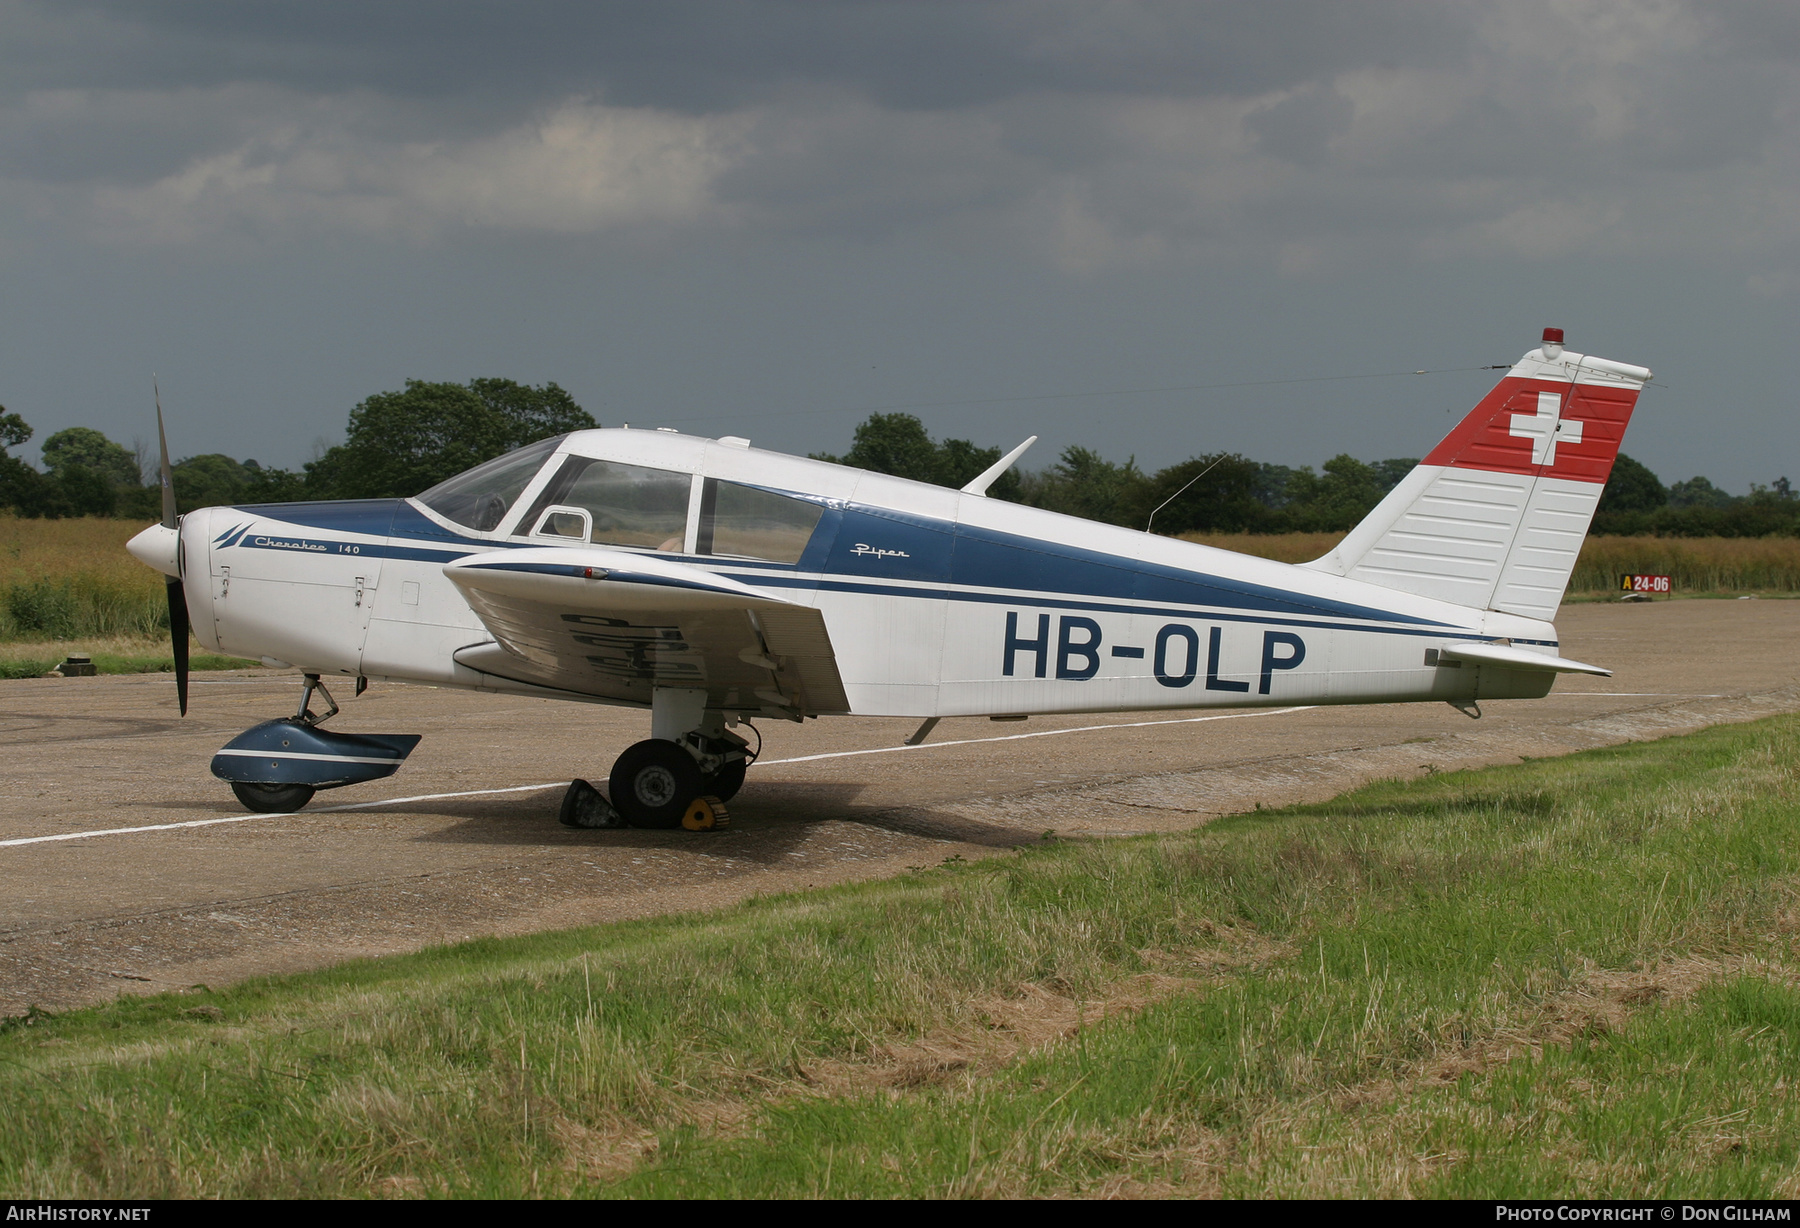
(781, 816)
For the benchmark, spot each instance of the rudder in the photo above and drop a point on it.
(1495, 516)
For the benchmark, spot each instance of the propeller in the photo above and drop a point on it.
(178, 611)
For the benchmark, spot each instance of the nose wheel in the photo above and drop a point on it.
(272, 799)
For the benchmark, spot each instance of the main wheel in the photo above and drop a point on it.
(654, 782)
(272, 799)
(724, 783)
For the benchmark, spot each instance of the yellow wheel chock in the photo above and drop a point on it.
(706, 814)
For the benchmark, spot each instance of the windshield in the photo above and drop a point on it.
(479, 497)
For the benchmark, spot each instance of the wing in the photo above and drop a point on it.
(614, 624)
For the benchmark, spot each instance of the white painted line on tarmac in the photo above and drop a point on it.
(1042, 733)
(245, 818)
(559, 784)
(836, 754)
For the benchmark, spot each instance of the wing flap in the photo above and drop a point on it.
(796, 637)
(616, 625)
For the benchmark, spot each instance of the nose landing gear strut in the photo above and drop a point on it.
(277, 766)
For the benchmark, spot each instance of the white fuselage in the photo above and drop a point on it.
(937, 603)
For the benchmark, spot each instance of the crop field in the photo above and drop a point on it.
(1567, 977)
(62, 578)
(68, 586)
(1726, 565)
(1282, 547)
(1699, 566)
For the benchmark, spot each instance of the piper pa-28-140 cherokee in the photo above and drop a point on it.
(711, 582)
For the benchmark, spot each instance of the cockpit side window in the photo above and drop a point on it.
(631, 505)
(478, 498)
(747, 522)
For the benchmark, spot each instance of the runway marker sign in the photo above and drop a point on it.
(1637, 583)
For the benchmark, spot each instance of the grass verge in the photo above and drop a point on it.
(1571, 977)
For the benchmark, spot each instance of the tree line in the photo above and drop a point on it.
(399, 443)
(396, 444)
(1225, 492)
(1219, 491)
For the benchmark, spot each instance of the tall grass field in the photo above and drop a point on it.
(62, 578)
(1574, 977)
(1727, 565)
(68, 586)
(1697, 565)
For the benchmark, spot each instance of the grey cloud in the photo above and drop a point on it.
(713, 211)
(1085, 134)
(138, 136)
(1300, 127)
(1762, 29)
(719, 54)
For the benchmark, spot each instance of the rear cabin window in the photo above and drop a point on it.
(627, 505)
(745, 522)
(478, 498)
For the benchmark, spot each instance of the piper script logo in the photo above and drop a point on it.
(874, 552)
(1546, 428)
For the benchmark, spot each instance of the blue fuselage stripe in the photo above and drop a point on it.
(1070, 602)
(398, 519)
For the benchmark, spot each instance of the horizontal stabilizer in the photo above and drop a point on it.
(1517, 658)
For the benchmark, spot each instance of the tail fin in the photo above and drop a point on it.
(1494, 517)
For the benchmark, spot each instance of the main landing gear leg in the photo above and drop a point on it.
(683, 774)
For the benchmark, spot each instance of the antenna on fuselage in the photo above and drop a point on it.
(988, 476)
(1182, 491)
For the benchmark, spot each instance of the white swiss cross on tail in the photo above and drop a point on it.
(1546, 428)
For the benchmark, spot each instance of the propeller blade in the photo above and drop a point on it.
(178, 634)
(168, 479)
(178, 611)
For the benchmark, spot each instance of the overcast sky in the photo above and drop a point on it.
(767, 219)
